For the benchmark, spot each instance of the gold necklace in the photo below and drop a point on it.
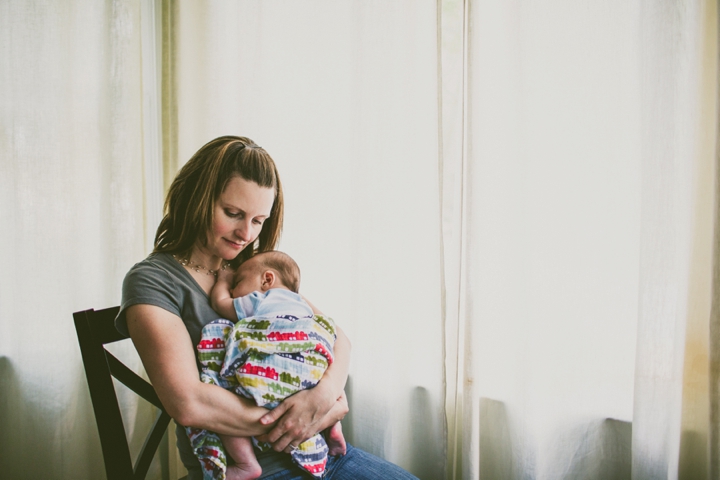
(185, 262)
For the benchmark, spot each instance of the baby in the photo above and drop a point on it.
(277, 347)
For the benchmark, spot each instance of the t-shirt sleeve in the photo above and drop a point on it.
(147, 284)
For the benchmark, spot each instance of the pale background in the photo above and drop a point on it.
(509, 206)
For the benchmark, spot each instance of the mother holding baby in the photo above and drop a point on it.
(224, 206)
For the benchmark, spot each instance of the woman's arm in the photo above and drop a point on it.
(165, 348)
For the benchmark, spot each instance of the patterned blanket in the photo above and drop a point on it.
(267, 359)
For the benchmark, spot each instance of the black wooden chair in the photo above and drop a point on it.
(95, 329)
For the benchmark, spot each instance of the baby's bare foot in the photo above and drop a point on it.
(336, 440)
(245, 471)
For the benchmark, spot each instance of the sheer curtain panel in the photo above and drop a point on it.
(343, 95)
(586, 246)
(73, 161)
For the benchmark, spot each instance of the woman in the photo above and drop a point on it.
(225, 205)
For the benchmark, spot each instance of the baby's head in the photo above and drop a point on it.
(265, 271)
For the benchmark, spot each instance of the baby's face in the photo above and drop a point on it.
(248, 279)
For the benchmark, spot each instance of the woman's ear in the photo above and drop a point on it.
(268, 280)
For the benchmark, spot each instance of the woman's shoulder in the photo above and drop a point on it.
(153, 281)
(159, 268)
(150, 282)
(161, 281)
(147, 282)
(153, 262)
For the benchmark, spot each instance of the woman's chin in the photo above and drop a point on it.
(229, 254)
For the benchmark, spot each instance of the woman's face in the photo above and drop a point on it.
(238, 217)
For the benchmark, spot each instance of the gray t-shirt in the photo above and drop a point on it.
(160, 280)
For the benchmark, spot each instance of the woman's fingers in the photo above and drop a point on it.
(291, 431)
(285, 440)
(301, 416)
(298, 420)
(287, 443)
(273, 415)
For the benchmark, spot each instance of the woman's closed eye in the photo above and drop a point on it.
(232, 214)
(240, 215)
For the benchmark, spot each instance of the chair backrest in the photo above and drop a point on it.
(95, 329)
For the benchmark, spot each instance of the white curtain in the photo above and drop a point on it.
(510, 207)
(343, 95)
(74, 157)
(550, 240)
(679, 105)
(584, 236)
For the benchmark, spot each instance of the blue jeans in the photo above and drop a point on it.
(354, 465)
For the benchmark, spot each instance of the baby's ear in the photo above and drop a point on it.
(268, 280)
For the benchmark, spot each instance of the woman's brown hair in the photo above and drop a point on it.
(190, 202)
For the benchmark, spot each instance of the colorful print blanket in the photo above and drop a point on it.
(267, 359)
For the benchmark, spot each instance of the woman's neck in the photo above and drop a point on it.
(200, 256)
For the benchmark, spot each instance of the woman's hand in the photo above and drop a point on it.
(301, 416)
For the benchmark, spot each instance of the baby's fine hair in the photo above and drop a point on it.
(284, 265)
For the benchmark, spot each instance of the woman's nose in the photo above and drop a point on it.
(243, 231)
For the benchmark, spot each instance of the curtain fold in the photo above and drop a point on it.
(452, 67)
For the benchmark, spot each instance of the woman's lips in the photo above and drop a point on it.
(234, 244)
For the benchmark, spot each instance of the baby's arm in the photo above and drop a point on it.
(220, 298)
